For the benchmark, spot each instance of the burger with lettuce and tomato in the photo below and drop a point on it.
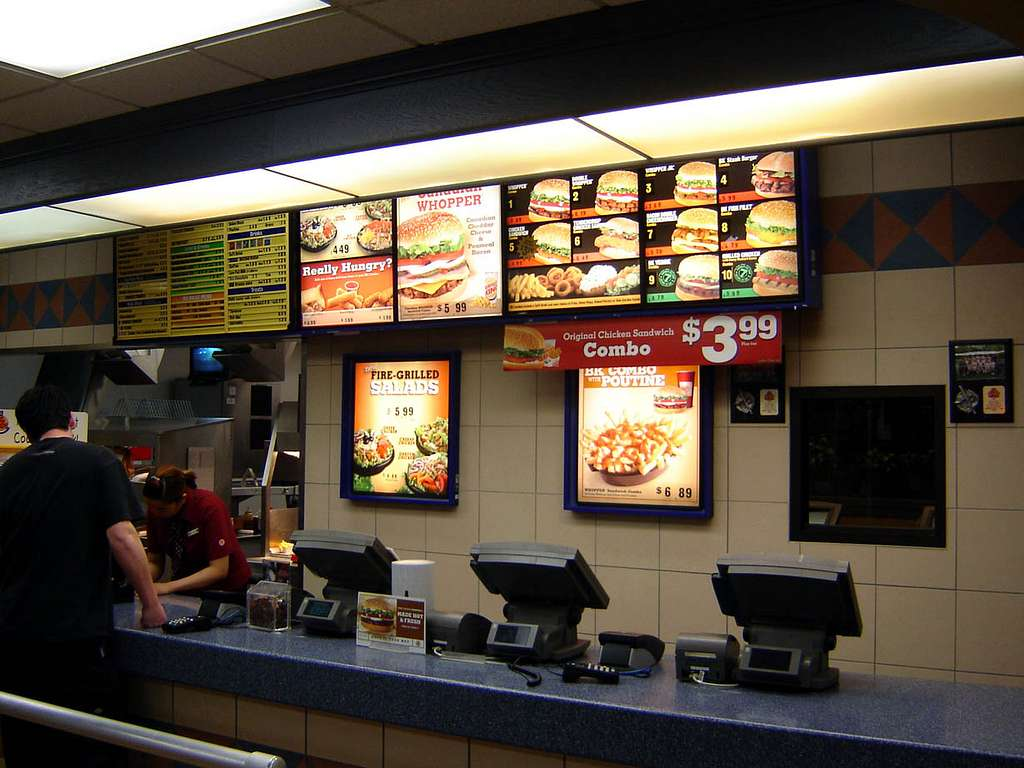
(432, 262)
(524, 348)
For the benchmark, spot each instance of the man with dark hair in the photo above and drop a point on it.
(65, 507)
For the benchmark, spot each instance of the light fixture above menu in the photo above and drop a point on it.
(45, 224)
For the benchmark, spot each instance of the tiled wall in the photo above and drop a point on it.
(955, 613)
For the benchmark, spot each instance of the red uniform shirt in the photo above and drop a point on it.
(207, 536)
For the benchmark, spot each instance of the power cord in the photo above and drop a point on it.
(698, 678)
(533, 679)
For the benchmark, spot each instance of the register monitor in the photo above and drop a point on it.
(791, 608)
(546, 587)
(351, 563)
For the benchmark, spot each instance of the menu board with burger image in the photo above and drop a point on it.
(449, 254)
(399, 429)
(586, 254)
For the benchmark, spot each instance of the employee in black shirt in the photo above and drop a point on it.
(65, 507)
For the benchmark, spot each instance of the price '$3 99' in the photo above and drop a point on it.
(720, 335)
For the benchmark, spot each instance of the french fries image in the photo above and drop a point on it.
(527, 286)
(632, 446)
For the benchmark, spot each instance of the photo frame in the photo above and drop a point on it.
(980, 381)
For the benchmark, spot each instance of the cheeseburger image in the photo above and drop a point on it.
(671, 399)
(695, 184)
(771, 224)
(619, 238)
(549, 200)
(696, 231)
(524, 348)
(377, 615)
(773, 176)
(776, 274)
(552, 241)
(616, 193)
(698, 277)
(431, 258)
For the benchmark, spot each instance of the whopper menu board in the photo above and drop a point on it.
(721, 228)
(216, 278)
(346, 271)
(400, 428)
(573, 242)
(449, 254)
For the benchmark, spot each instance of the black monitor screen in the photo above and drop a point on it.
(346, 559)
(537, 573)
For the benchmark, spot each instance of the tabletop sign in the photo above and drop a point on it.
(14, 439)
(216, 278)
(391, 623)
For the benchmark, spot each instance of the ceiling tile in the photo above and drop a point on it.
(10, 133)
(432, 21)
(167, 79)
(307, 45)
(12, 83)
(57, 107)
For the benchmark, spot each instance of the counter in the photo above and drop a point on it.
(652, 722)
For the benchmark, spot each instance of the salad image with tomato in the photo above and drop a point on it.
(372, 451)
(428, 475)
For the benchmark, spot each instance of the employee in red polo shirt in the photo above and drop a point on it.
(192, 527)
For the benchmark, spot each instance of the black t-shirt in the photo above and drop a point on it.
(57, 499)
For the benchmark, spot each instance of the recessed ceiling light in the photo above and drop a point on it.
(66, 37)
(44, 225)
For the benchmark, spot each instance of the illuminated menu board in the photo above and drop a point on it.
(346, 271)
(400, 429)
(218, 278)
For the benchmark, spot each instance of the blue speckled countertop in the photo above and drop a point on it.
(655, 721)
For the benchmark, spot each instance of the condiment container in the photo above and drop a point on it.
(269, 604)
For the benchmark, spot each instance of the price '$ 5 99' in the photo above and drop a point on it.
(721, 336)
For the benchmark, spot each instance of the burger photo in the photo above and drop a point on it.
(696, 231)
(549, 200)
(776, 274)
(616, 193)
(431, 258)
(698, 277)
(377, 615)
(619, 239)
(773, 176)
(771, 224)
(695, 184)
(524, 348)
(671, 399)
(552, 243)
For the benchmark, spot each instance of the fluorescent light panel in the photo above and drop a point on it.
(520, 151)
(209, 198)
(957, 94)
(43, 225)
(66, 37)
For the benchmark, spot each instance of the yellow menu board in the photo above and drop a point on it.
(204, 279)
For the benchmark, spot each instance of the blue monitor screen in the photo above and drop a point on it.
(204, 364)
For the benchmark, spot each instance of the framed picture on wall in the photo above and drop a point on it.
(757, 393)
(981, 381)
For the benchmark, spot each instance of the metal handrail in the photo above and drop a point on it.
(134, 737)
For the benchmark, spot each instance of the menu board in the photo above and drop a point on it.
(586, 251)
(400, 428)
(346, 270)
(217, 278)
(449, 254)
(639, 441)
(721, 228)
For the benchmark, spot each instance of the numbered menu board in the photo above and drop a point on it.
(721, 229)
(400, 429)
(346, 265)
(217, 278)
(640, 441)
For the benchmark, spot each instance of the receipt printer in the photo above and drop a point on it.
(711, 658)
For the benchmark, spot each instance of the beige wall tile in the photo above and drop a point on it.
(914, 162)
(694, 545)
(103, 335)
(919, 673)
(277, 725)
(860, 648)
(989, 632)
(507, 399)
(312, 583)
(318, 350)
(401, 527)
(988, 549)
(557, 525)
(633, 600)
(469, 459)
(508, 516)
(81, 259)
(22, 267)
(988, 155)
(316, 506)
(204, 710)
(406, 748)
(492, 343)
(488, 754)
(335, 393)
(759, 464)
(508, 459)
(466, 340)
(318, 461)
(491, 605)
(845, 169)
(21, 339)
(81, 335)
(579, 762)
(921, 365)
(860, 556)
(550, 459)
(837, 368)
(469, 395)
(348, 515)
(629, 542)
(988, 301)
(455, 584)
(914, 627)
(5, 266)
(973, 678)
(951, 466)
(687, 603)
(318, 394)
(760, 527)
(550, 398)
(988, 467)
(720, 400)
(51, 263)
(48, 337)
(334, 453)
(454, 530)
(350, 344)
(921, 566)
(914, 307)
(150, 699)
(847, 319)
(345, 739)
(105, 256)
(855, 667)
(720, 456)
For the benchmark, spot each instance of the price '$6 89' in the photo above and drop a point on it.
(720, 335)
